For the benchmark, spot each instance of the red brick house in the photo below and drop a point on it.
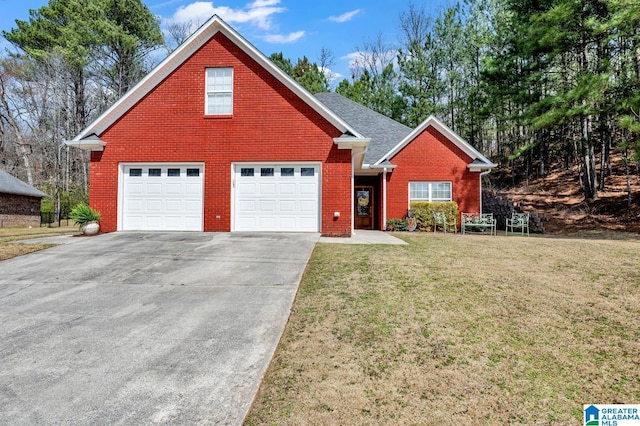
(19, 203)
(218, 138)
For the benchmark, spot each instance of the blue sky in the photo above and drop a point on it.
(296, 28)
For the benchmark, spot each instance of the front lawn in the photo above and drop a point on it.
(452, 329)
(8, 237)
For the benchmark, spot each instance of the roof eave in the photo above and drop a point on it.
(87, 144)
(382, 166)
(481, 167)
(356, 143)
(38, 194)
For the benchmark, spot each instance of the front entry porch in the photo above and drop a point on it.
(367, 202)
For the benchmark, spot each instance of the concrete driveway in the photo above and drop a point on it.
(144, 328)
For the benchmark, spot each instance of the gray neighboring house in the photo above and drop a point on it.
(19, 203)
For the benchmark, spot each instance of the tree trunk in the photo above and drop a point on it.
(589, 177)
(625, 154)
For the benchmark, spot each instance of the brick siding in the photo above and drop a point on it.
(19, 211)
(432, 157)
(269, 124)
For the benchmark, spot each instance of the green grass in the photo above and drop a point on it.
(459, 330)
(8, 237)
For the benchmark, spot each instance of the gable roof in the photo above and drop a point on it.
(201, 36)
(479, 162)
(12, 185)
(383, 131)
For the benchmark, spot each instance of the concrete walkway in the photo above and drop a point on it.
(363, 236)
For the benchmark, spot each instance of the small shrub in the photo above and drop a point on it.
(423, 212)
(82, 214)
(397, 225)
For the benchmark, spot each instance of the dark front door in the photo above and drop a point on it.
(364, 207)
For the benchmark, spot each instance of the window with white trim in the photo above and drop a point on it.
(430, 191)
(219, 99)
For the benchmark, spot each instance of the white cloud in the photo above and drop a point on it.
(331, 76)
(352, 58)
(263, 3)
(284, 38)
(345, 17)
(258, 13)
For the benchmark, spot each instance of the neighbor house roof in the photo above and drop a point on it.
(198, 39)
(13, 185)
(385, 133)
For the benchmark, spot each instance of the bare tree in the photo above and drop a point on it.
(374, 57)
(415, 24)
(326, 61)
(178, 32)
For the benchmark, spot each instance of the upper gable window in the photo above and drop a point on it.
(219, 91)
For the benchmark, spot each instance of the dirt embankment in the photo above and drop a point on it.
(559, 198)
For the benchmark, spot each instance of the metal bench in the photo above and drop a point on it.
(440, 220)
(481, 221)
(517, 221)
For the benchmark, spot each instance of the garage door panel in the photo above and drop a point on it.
(157, 198)
(267, 222)
(174, 189)
(287, 188)
(281, 199)
(246, 206)
(267, 206)
(174, 223)
(247, 188)
(247, 223)
(287, 206)
(267, 189)
(134, 205)
(153, 222)
(287, 223)
(308, 189)
(133, 222)
(308, 221)
(309, 206)
(135, 189)
(193, 206)
(193, 189)
(154, 189)
(154, 205)
(173, 206)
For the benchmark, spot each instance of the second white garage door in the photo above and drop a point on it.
(276, 197)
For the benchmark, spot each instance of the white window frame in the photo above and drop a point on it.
(218, 87)
(430, 191)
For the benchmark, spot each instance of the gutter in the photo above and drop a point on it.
(486, 172)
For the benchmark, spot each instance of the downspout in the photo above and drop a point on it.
(384, 199)
(353, 194)
(482, 174)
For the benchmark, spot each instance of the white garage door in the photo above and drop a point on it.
(276, 197)
(162, 197)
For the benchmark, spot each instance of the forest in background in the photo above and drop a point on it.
(534, 85)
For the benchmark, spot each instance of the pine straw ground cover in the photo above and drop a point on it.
(453, 330)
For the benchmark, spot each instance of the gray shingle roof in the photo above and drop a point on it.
(385, 133)
(13, 185)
